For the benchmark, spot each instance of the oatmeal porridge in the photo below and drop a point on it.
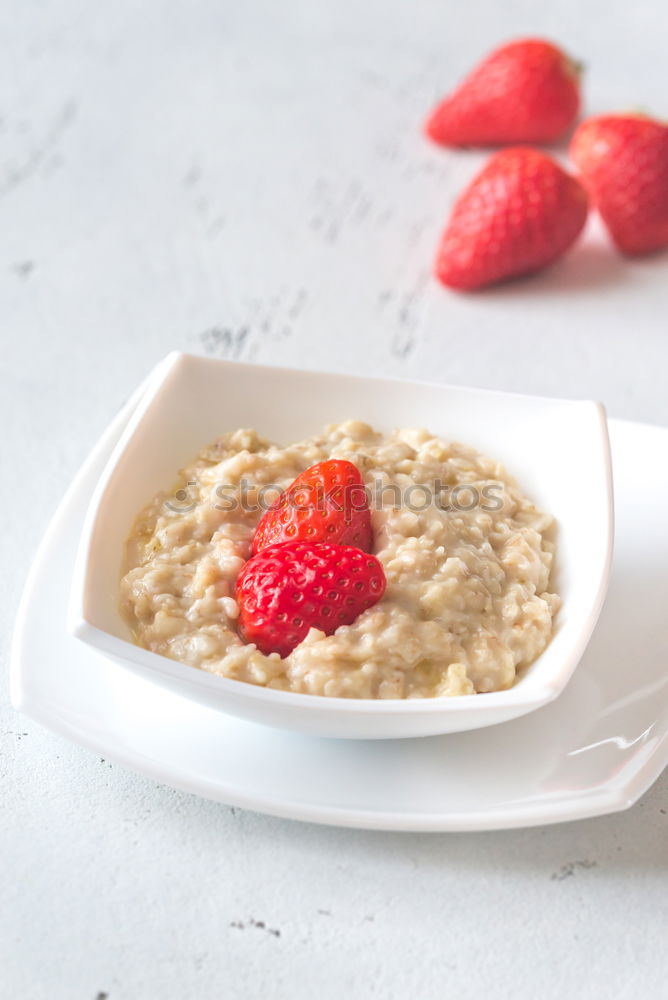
(466, 557)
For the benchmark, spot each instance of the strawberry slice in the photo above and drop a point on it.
(287, 589)
(326, 503)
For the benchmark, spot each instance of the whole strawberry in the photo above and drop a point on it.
(287, 589)
(526, 91)
(623, 162)
(326, 503)
(519, 214)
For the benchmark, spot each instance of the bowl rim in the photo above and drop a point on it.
(525, 692)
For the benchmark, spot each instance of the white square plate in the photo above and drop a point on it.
(557, 449)
(594, 750)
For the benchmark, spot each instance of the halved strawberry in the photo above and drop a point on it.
(326, 503)
(287, 589)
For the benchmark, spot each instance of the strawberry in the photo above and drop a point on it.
(519, 214)
(326, 503)
(526, 91)
(287, 589)
(623, 162)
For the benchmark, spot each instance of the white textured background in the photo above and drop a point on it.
(248, 180)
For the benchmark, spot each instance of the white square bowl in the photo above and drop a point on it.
(558, 450)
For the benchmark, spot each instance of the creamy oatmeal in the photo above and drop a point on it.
(466, 556)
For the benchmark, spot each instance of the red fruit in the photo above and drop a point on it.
(519, 214)
(526, 91)
(326, 503)
(623, 162)
(287, 589)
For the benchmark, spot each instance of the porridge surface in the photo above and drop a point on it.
(467, 604)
